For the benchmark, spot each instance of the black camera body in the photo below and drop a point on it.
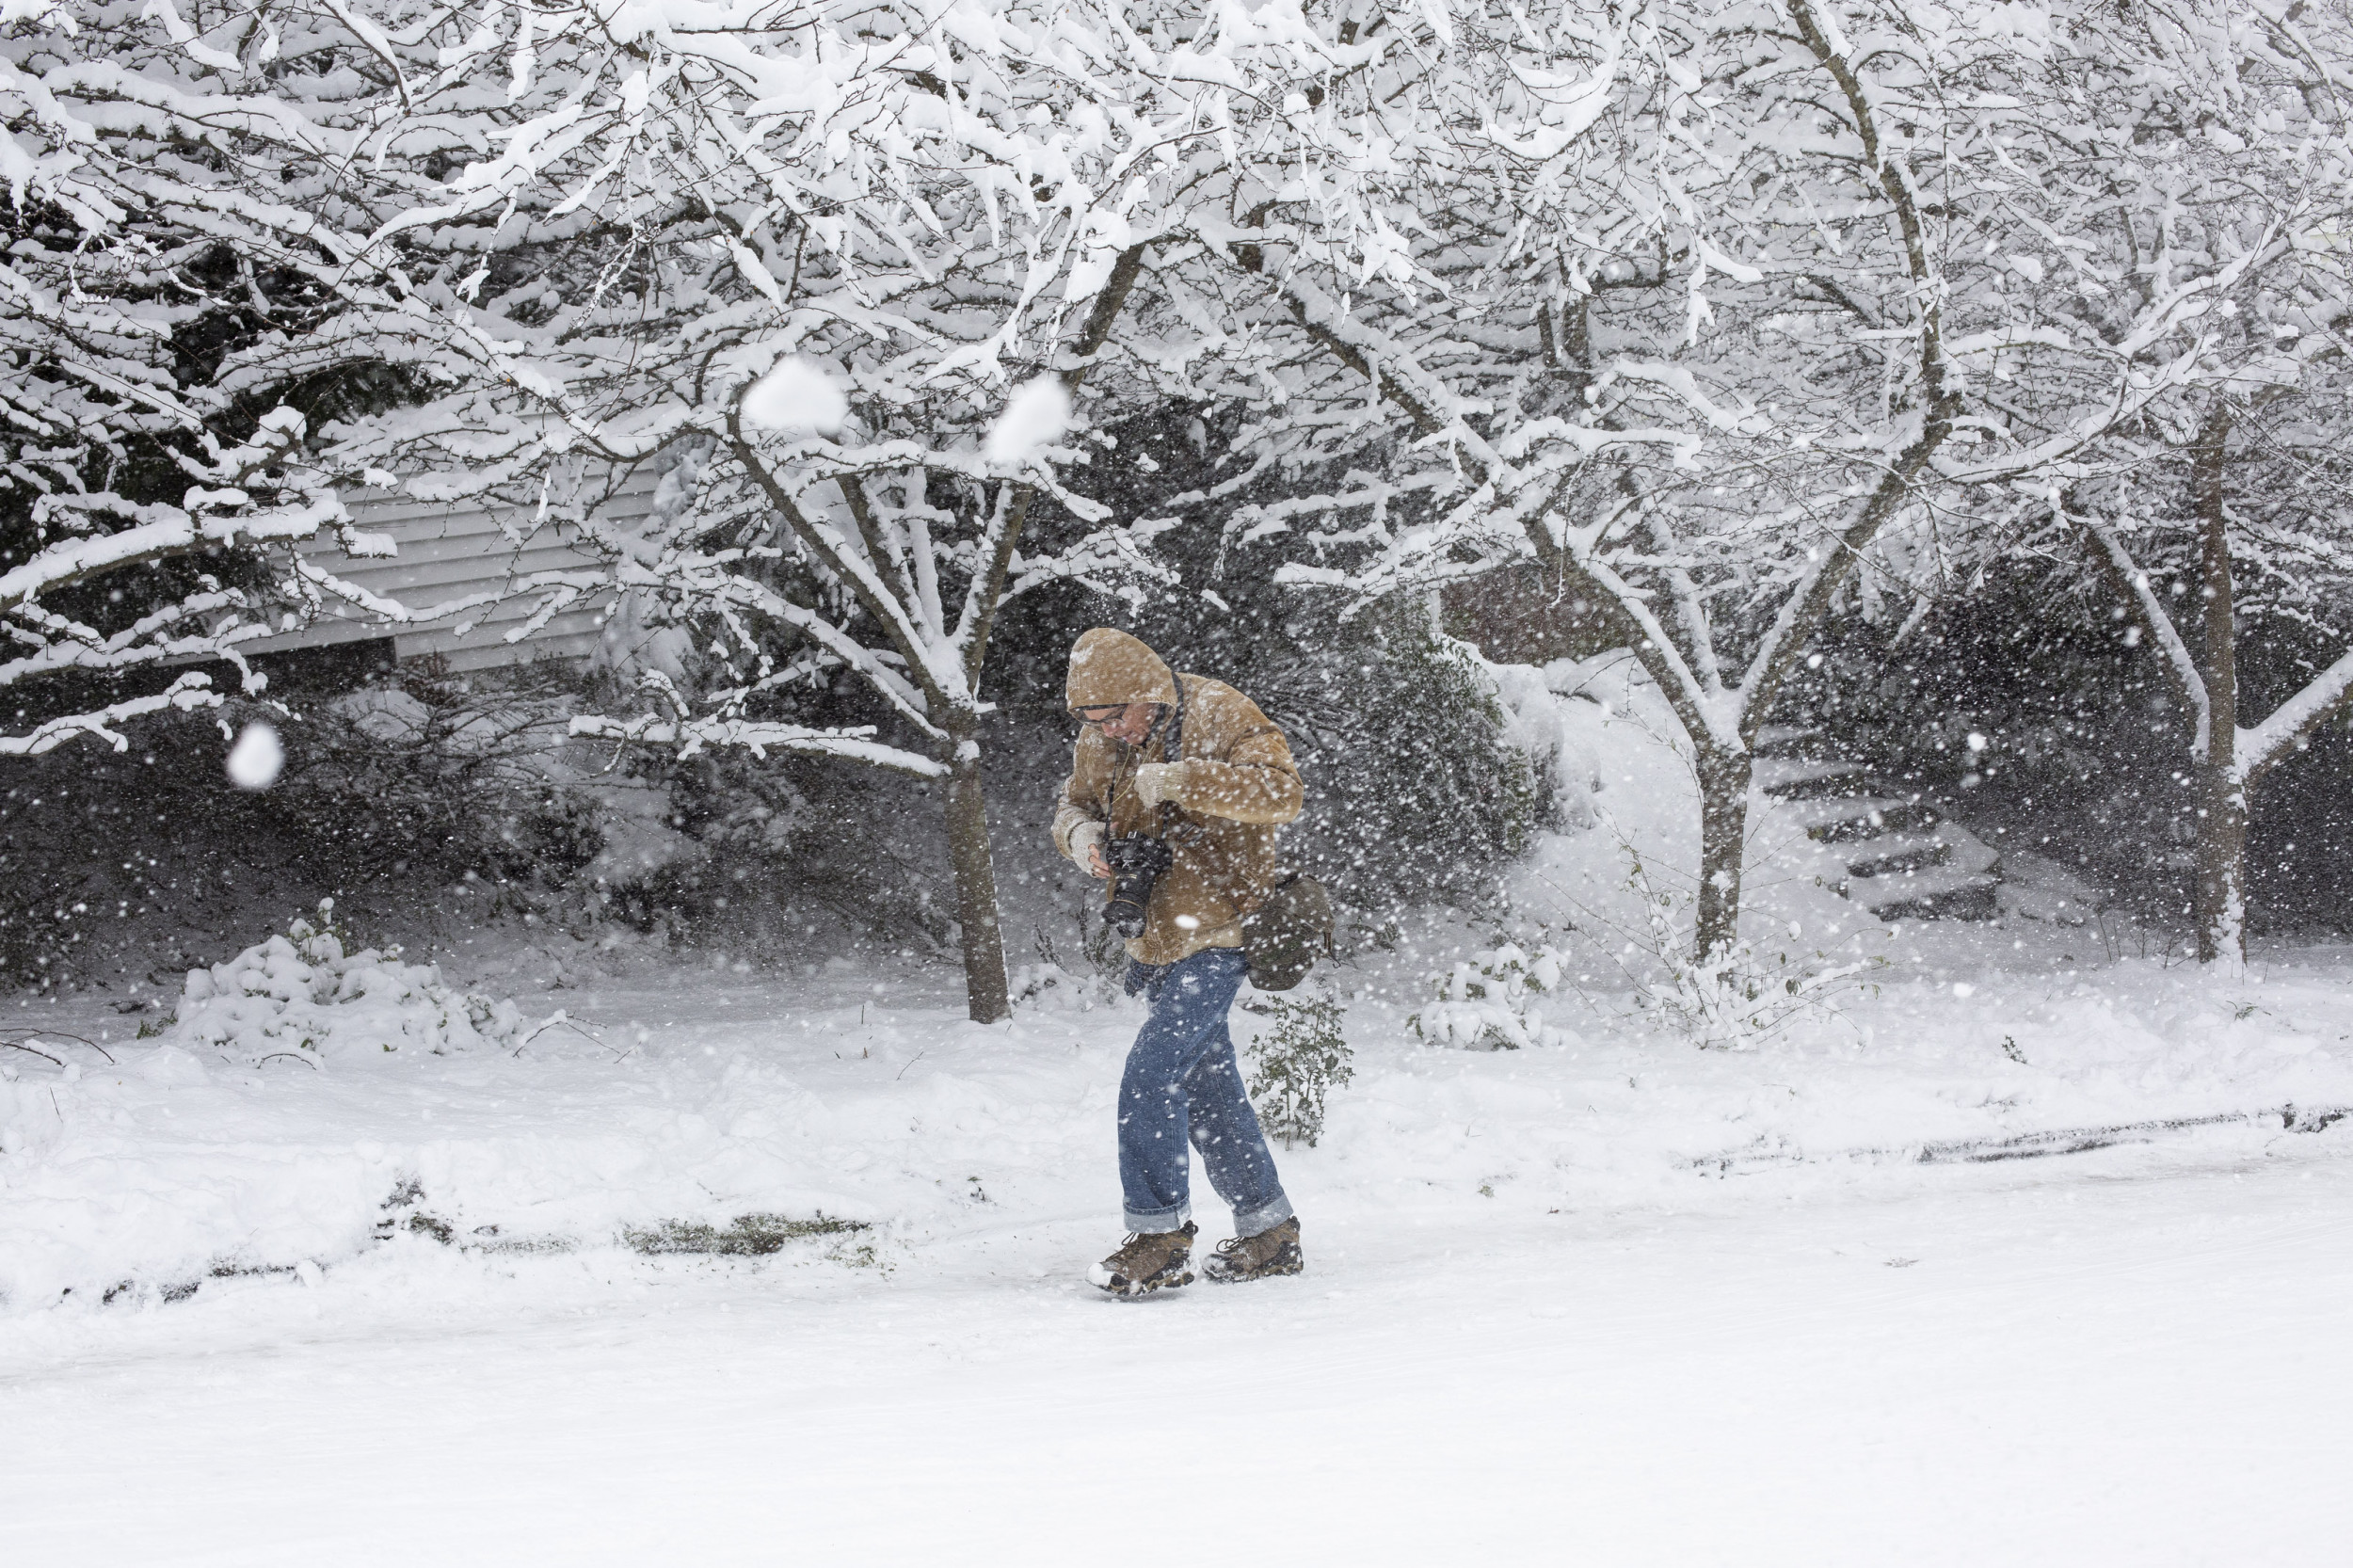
(1137, 860)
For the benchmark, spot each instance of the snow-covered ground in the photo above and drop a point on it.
(2126, 1356)
(2033, 1251)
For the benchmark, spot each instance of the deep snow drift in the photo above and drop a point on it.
(388, 1292)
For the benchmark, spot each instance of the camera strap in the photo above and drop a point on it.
(1173, 747)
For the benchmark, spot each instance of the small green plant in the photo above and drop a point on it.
(1298, 1058)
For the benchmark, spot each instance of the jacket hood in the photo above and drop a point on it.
(1107, 666)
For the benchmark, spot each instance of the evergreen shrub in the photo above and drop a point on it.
(1298, 1057)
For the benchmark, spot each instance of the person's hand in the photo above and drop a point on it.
(1086, 848)
(1157, 782)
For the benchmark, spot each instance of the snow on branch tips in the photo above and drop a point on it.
(169, 276)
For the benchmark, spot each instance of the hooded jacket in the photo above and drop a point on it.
(1239, 785)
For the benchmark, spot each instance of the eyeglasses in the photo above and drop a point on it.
(1110, 712)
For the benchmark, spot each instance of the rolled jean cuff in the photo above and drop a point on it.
(1160, 1221)
(1263, 1218)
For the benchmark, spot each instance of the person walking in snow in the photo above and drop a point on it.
(1188, 762)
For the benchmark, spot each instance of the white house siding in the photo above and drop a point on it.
(450, 551)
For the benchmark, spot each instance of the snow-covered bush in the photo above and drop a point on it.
(1504, 997)
(1734, 997)
(1047, 984)
(1424, 781)
(775, 846)
(399, 783)
(1495, 1000)
(1298, 1058)
(302, 992)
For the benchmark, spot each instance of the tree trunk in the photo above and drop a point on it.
(1723, 838)
(976, 884)
(2220, 903)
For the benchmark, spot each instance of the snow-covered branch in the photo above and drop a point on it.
(692, 735)
(2181, 666)
(2325, 695)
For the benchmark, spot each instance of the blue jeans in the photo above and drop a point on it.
(1183, 1087)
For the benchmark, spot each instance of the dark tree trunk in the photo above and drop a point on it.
(1724, 840)
(2220, 905)
(976, 885)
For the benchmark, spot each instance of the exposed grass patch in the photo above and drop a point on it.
(745, 1236)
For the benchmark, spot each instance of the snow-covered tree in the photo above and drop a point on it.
(2227, 512)
(1691, 306)
(838, 270)
(1701, 308)
(2214, 138)
(155, 222)
(2244, 530)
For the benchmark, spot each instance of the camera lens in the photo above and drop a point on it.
(1137, 860)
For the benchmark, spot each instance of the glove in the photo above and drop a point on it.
(1158, 782)
(1084, 837)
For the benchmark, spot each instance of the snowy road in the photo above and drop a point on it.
(2121, 1358)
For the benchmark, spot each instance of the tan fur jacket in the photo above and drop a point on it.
(1238, 785)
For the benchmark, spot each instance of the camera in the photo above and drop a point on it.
(1137, 860)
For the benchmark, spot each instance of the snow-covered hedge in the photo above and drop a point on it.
(302, 992)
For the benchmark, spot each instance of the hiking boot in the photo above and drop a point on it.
(1145, 1262)
(1269, 1251)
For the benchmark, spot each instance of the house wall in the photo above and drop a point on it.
(447, 551)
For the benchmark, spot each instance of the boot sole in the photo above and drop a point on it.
(1269, 1271)
(1135, 1289)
